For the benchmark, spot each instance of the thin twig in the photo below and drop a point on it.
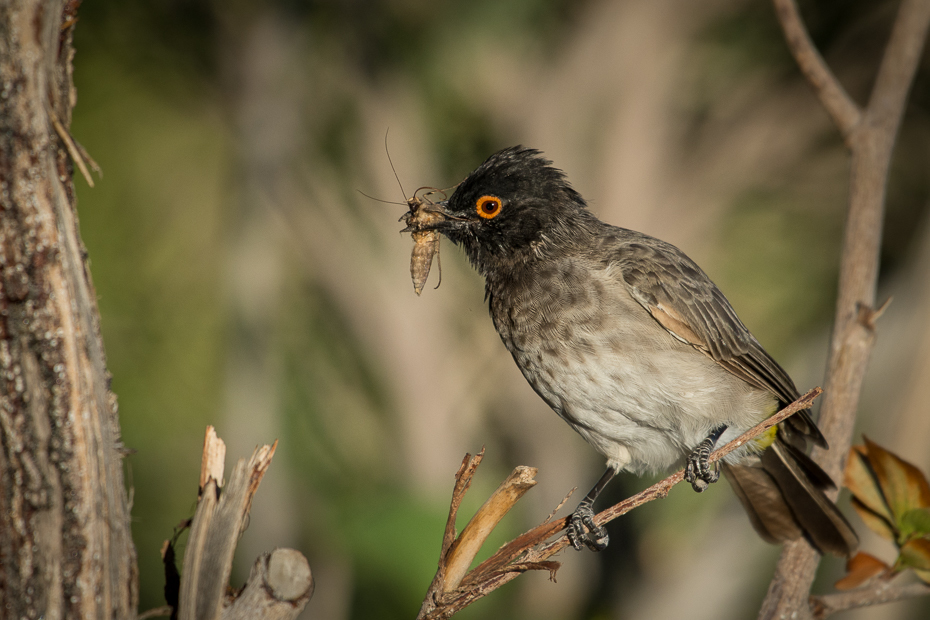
(875, 594)
(840, 106)
(75, 150)
(158, 612)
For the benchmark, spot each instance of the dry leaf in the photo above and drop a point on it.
(903, 486)
(861, 480)
(859, 569)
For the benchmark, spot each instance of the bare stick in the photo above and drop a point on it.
(841, 108)
(871, 141)
(880, 592)
(213, 460)
(216, 527)
(462, 481)
(77, 153)
(483, 523)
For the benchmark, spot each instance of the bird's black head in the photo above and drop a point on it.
(511, 208)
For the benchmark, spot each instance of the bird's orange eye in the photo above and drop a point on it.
(488, 206)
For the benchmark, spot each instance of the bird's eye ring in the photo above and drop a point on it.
(489, 206)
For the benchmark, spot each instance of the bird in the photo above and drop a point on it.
(634, 346)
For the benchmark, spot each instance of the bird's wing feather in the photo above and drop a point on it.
(680, 296)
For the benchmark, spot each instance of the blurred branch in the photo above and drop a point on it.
(871, 142)
(842, 109)
(446, 597)
(882, 591)
(280, 584)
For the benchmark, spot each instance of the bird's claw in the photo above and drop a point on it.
(582, 530)
(699, 471)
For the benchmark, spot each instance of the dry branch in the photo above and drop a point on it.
(278, 588)
(877, 593)
(529, 551)
(471, 539)
(463, 478)
(280, 583)
(870, 139)
(839, 105)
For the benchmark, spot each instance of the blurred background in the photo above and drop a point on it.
(244, 281)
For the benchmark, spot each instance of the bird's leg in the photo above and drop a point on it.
(698, 472)
(581, 526)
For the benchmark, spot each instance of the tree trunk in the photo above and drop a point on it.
(65, 543)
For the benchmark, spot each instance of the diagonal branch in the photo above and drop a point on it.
(841, 108)
(878, 593)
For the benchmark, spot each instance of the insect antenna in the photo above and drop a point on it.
(393, 169)
(390, 202)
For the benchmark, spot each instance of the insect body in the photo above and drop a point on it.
(425, 242)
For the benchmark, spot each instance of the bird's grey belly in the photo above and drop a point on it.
(638, 395)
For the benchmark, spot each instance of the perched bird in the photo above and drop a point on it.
(628, 341)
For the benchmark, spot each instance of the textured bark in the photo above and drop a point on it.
(65, 543)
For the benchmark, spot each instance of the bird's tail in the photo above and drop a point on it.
(782, 490)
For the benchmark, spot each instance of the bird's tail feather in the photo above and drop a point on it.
(782, 491)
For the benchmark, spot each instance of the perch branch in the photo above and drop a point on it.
(524, 552)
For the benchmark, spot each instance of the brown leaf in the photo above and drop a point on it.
(861, 480)
(903, 485)
(859, 569)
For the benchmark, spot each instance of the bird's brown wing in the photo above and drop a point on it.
(680, 296)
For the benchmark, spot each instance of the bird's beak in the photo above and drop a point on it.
(433, 216)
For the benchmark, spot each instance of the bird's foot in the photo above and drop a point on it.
(582, 530)
(699, 471)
